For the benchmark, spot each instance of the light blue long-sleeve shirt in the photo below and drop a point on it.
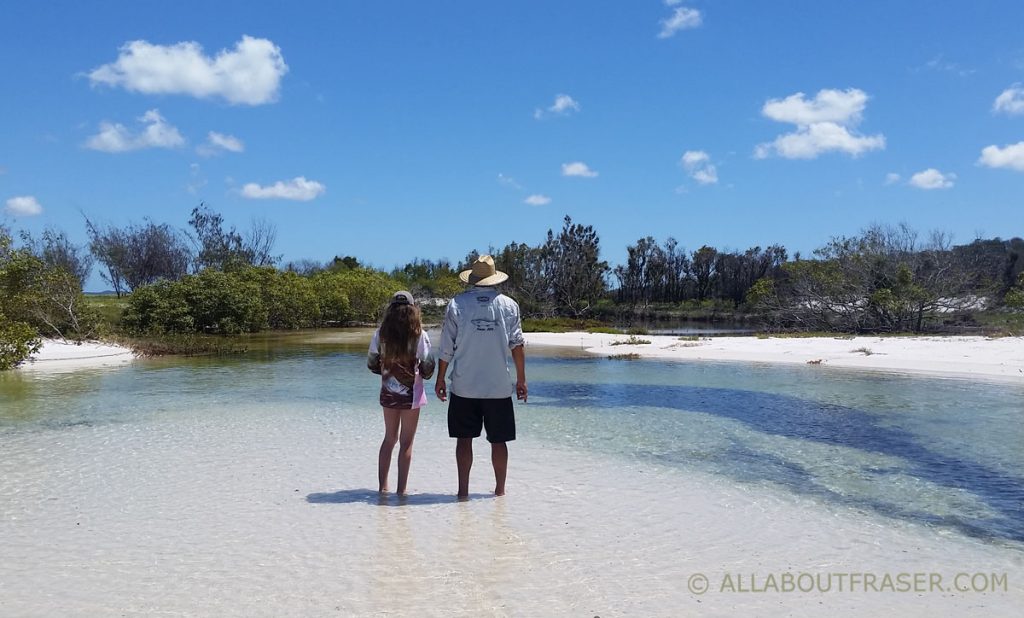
(481, 328)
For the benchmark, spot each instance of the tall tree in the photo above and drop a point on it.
(225, 248)
(138, 254)
(574, 267)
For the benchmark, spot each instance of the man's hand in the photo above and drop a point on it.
(441, 389)
(521, 390)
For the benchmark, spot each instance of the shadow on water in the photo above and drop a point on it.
(823, 423)
(369, 496)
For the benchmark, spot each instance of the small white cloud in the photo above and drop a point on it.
(932, 178)
(157, 133)
(537, 199)
(297, 189)
(698, 164)
(249, 74)
(892, 178)
(563, 106)
(1010, 156)
(682, 18)
(839, 106)
(823, 124)
(508, 181)
(196, 180)
(24, 206)
(578, 168)
(1010, 101)
(216, 143)
(939, 63)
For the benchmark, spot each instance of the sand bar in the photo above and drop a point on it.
(63, 356)
(998, 359)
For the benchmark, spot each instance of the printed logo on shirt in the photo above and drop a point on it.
(484, 325)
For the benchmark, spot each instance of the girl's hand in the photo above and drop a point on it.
(441, 390)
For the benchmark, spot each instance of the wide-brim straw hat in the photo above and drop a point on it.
(483, 273)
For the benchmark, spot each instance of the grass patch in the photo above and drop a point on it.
(631, 340)
(864, 351)
(690, 338)
(630, 356)
(637, 330)
(109, 307)
(182, 345)
(604, 330)
(559, 325)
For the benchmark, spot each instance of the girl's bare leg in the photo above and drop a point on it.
(391, 421)
(410, 418)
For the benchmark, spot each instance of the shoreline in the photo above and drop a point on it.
(63, 355)
(972, 357)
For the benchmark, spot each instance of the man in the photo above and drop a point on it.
(482, 329)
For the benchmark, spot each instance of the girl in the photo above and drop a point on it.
(400, 353)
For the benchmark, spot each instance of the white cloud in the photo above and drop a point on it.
(24, 206)
(892, 178)
(578, 168)
(298, 189)
(932, 178)
(563, 106)
(217, 143)
(839, 106)
(823, 124)
(249, 74)
(698, 164)
(1010, 101)
(157, 133)
(508, 181)
(537, 200)
(1010, 156)
(682, 18)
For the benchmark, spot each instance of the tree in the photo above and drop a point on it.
(57, 251)
(703, 264)
(224, 249)
(138, 254)
(528, 281)
(574, 267)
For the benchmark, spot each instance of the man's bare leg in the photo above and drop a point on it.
(464, 459)
(499, 459)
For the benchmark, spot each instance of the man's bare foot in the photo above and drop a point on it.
(499, 491)
(384, 490)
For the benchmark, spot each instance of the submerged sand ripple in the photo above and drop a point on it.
(213, 512)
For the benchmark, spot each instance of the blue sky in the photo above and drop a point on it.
(395, 130)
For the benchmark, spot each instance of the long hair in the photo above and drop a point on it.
(399, 332)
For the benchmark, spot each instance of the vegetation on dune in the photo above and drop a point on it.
(172, 287)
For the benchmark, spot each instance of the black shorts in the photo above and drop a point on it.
(466, 416)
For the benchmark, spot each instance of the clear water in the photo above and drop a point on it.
(945, 453)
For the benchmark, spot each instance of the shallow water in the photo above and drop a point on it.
(200, 485)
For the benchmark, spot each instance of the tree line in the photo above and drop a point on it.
(215, 278)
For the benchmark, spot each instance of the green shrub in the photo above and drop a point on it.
(18, 341)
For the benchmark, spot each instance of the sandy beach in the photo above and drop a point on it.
(60, 355)
(999, 359)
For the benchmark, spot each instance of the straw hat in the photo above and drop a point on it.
(483, 273)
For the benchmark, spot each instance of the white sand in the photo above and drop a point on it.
(269, 513)
(1000, 359)
(60, 355)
